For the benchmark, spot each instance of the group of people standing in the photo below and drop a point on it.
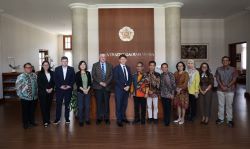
(181, 88)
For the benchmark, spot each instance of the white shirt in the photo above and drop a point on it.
(64, 72)
(126, 71)
(48, 76)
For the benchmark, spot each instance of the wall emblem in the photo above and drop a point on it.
(126, 34)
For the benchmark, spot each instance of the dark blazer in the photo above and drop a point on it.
(79, 80)
(43, 82)
(97, 76)
(69, 80)
(120, 81)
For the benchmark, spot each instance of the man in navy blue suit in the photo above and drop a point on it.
(64, 81)
(122, 78)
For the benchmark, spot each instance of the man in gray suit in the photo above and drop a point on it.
(102, 82)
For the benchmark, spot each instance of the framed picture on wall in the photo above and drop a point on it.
(194, 51)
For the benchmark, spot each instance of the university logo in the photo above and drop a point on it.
(126, 33)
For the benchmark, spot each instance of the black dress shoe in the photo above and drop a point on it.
(81, 124)
(230, 124)
(119, 124)
(219, 121)
(150, 120)
(107, 122)
(143, 122)
(46, 125)
(135, 122)
(98, 122)
(125, 121)
(25, 126)
(166, 124)
(33, 124)
(56, 122)
(87, 122)
(67, 121)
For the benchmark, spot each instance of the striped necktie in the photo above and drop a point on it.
(103, 73)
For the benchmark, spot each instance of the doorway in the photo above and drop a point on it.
(238, 55)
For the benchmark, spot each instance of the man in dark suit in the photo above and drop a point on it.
(102, 82)
(122, 78)
(64, 81)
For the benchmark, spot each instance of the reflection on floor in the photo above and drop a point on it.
(190, 135)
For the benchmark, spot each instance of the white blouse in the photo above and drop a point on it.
(48, 76)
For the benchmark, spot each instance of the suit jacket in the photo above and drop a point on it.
(97, 76)
(79, 80)
(59, 79)
(43, 82)
(120, 81)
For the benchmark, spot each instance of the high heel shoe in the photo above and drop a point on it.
(177, 121)
(181, 122)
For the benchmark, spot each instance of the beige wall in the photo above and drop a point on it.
(205, 31)
(23, 41)
(237, 30)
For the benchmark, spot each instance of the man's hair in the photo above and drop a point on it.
(140, 63)
(122, 55)
(151, 62)
(64, 58)
(164, 64)
(225, 57)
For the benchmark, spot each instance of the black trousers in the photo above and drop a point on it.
(60, 96)
(140, 108)
(166, 104)
(28, 111)
(192, 107)
(45, 104)
(102, 104)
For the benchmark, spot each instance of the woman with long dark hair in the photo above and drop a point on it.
(205, 96)
(45, 81)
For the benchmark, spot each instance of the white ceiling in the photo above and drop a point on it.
(55, 15)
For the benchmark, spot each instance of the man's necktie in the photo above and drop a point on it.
(125, 74)
(103, 73)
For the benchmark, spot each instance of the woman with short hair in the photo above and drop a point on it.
(83, 83)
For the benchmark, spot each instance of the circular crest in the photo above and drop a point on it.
(126, 33)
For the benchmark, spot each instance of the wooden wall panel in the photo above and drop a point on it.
(140, 20)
